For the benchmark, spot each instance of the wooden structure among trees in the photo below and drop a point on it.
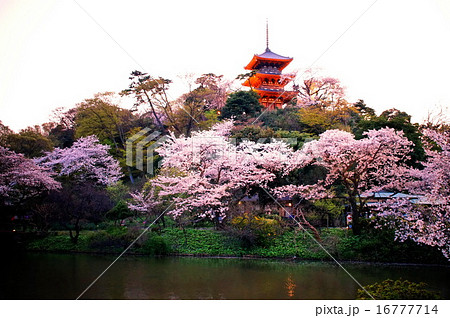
(267, 80)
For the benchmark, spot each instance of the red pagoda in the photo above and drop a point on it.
(267, 79)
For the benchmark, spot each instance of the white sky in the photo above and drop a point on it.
(53, 54)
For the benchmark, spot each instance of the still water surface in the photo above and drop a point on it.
(55, 276)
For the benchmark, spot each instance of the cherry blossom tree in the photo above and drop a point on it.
(200, 174)
(326, 92)
(356, 168)
(75, 205)
(86, 160)
(428, 220)
(84, 169)
(323, 105)
(21, 178)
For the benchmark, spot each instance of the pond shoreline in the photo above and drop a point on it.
(244, 257)
(207, 243)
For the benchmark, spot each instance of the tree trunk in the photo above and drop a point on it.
(77, 229)
(217, 222)
(189, 127)
(356, 224)
(158, 121)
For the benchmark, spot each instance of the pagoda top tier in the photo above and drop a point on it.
(268, 58)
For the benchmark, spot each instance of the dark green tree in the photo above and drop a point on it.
(260, 134)
(242, 105)
(30, 142)
(285, 119)
(112, 124)
(365, 112)
(61, 136)
(119, 212)
(151, 92)
(5, 131)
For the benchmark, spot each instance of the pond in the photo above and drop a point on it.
(62, 276)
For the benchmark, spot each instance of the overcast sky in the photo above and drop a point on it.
(396, 53)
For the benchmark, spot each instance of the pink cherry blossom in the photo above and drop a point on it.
(362, 166)
(426, 220)
(21, 178)
(87, 159)
(324, 91)
(201, 173)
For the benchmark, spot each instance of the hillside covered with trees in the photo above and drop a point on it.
(101, 175)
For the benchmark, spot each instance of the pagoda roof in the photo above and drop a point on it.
(268, 55)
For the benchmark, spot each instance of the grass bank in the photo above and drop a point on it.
(293, 243)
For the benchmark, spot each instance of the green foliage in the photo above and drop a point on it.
(118, 192)
(155, 245)
(254, 230)
(29, 142)
(113, 237)
(254, 133)
(365, 112)
(378, 245)
(61, 136)
(119, 212)
(191, 115)
(397, 120)
(112, 124)
(260, 134)
(143, 160)
(5, 131)
(288, 243)
(101, 117)
(317, 119)
(201, 242)
(398, 290)
(241, 105)
(211, 117)
(58, 242)
(295, 138)
(325, 210)
(283, 119)
(333, 207)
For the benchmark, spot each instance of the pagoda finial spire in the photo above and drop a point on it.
(267, 35)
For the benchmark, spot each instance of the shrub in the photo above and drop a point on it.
(201, 242)
(55, 242)
(254, 230)
(397, 290)
(378, 245)
(119, 212)
(113, 237)
(155, 245)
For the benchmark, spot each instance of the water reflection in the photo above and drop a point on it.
(290, 286)
(52, 276)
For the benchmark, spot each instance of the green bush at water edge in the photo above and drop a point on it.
(397, 290)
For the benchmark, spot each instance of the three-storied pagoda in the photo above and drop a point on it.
(267, 79)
